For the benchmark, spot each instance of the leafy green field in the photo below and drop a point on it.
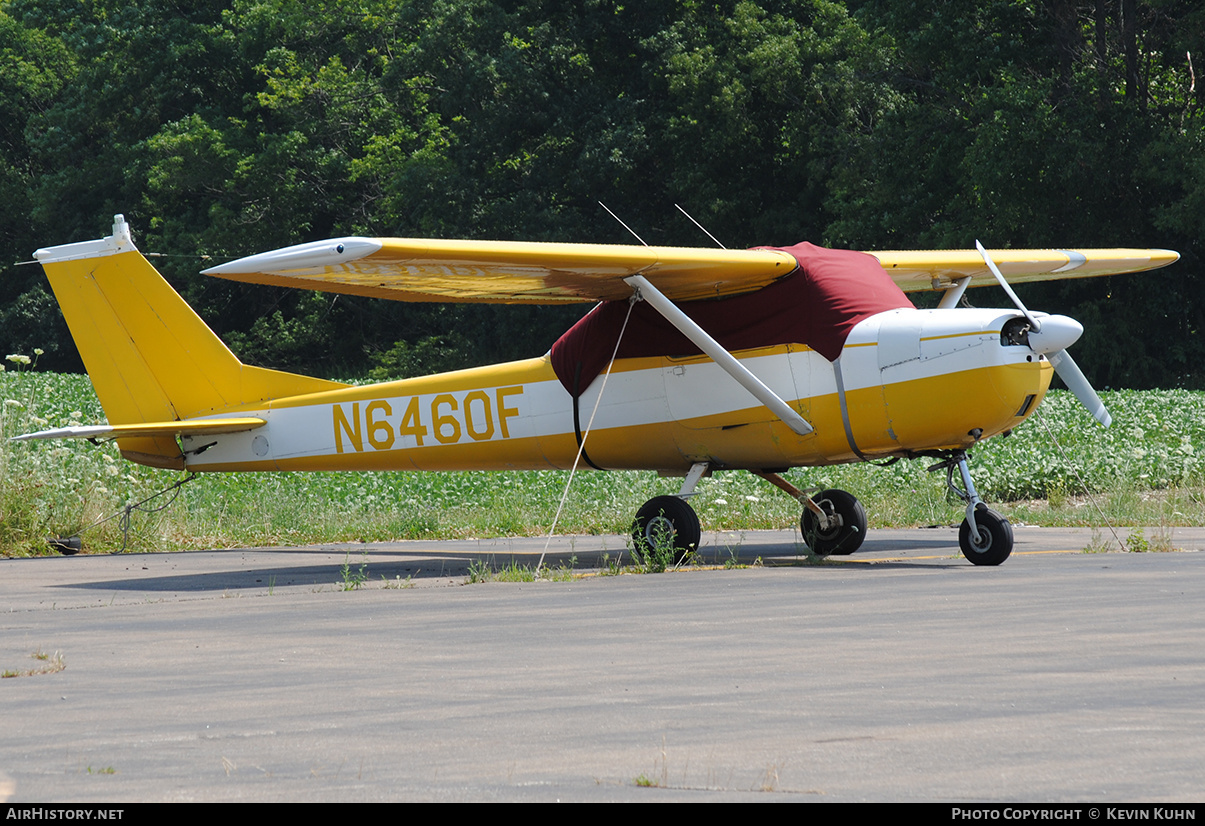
(1144, 470)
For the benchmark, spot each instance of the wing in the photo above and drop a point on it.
(514, 272)
(506, 272)
(930, 270)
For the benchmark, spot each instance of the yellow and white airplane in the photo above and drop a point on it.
(694, 360)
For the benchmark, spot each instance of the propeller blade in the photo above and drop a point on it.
(1078, 384)
(991, 265)
(1064, 332)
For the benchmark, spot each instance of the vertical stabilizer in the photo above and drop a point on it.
(150, 357)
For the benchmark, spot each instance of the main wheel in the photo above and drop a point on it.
(666, 525)
(995, 540)
(841, 539)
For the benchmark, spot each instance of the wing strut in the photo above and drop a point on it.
(687, 327)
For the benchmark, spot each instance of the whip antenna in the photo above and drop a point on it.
(700, 226)
(621, 223)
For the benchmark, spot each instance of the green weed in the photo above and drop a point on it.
(609, 566)
(561, 573)
(482, 571)
(51, 664)
(658, 554)
(734, 556)
(1056, 494)
(353, 580)
(514, 572)
(479, 571)
(1098, 544)
(1159, 543)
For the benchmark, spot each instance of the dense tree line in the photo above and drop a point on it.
(226, 128)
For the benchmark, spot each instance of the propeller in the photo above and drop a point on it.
(1051, 336)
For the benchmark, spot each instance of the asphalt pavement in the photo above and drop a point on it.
(902, 673)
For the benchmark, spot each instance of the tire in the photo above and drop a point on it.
(840, 539)
(995, 538)
(67, 546)
(666, 519)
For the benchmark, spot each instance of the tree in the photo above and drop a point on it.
(1019, 129)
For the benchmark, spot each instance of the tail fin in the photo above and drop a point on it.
(150, 357)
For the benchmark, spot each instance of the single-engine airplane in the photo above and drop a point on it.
(693, 360)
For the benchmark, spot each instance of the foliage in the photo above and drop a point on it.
(1145, 469)
(233, 126)
(433, 354)
(226, 127)
(655, 557)
(352, 580)
(1047, 125)
(482, 571)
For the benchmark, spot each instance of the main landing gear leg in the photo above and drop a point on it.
(833, 521)
(985, 537)
(671, 519)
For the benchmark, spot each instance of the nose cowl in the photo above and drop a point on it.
(1058, 333)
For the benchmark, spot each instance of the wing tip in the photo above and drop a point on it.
(1162, 258)
(314, 255)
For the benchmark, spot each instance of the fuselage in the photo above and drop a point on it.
(906, 381)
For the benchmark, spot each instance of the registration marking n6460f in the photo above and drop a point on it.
(419, 421)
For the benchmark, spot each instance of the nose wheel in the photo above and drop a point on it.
(990, 541)
(985, 537)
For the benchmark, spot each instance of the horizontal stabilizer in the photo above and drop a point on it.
(192, 427)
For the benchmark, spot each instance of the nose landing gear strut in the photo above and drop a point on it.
(986, 537)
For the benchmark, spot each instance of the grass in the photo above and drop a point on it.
(658, 554)
(482, 571)
(353, 580)
(1144, 471)
(50, 664)
(611, 567)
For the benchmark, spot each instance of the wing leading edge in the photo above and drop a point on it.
(938, 269)
(506, 272)
(512, 272)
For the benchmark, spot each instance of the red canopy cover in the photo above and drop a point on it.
(816, 305)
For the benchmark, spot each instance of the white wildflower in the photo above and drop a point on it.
(17, 358)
